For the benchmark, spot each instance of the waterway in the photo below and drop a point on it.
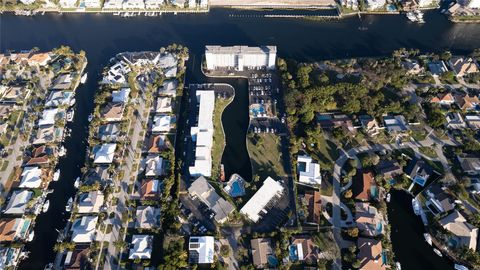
(102, 36)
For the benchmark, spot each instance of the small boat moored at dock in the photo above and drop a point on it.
(56, 175)
(46, 205)
(416, 206)
(438, 252)
(428, 238)
(69, 205)
(84, 77)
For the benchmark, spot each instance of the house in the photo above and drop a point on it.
(39, 156)
(133, 4)
(388, 169)
(375, 4)
(104, 153)
(313, 200)
(39, 59)
(395, 124)
(308, 171)
(156, 144)
(303, 249)
(113, 112)
(18, 202)
(370, 125)
(455, 121)
(90, 202)
(154, 166)
(329, 121)
(162, 123)
(112, 76)
(62, 82)
(473, 121)
(48, 117)
(163, 105)
(412, 67)
(201, 249)
(58, 98)
(261, 251)
(438, 200)
(470, 164)
(370, 254)
(153, 4)
(147, 217)
(31, 177)
(141, 247)
(50, 134)
(418, 171)
(169, 88)
(121, 95)
(463, 66)
(467, 102)
(370, 221)
(14, 94)
(92, 3)
(262, 199)
(109, 132)
(203, 191)
(464, 233)
(437, 68)
(99, 174)
(68, 3)
(13, 229)
(366, 188)
(167, 60)
(83, 229)
(77, 259)
(445, 98)
(150, 189)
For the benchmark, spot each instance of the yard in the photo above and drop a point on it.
(325, 151)
(265, 154)
(218, 135)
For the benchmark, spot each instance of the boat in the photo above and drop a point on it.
(83, 79)
(428, 238)
(460, 267)
(222, 173)
(69, 205)
(48, 266)
(72, 102)
(438, 252)
(62, 152)
(90, 118)
(46, 205)
(416, 206)
(30, 236)
(398, 266)
(411, 16)
(56, 175)
(388, 197)
(70, 115)
(77, 182)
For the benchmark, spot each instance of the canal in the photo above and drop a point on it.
(103, 36)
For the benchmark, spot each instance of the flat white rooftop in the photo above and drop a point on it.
(261, 198)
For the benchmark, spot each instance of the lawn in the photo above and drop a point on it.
(428, 151)
(218, 135)
(325, 151)
(266, 156)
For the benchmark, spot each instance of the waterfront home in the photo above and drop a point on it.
(62, 82)
(437, 68)
(203, 191)
(141, 247)
(455, 121)
(58, 98)
(168, 88)
(39, 59)
(388, 169)
(438, 201)
(463, 65)
(167, 60)
(121, 95)
(9, 257)
(412, 67)
(445, 99)
(38, 156)
(370, 254)
(99, 174)
(78, 258)
(375, 4)
(395, 124)
(365, 188)
(31, 177)
(150, 189)
(112, 4)
(178, 3)
(154, 166)
(90, 202)
(113, 112)
(201, 249)
(370, 125)
(467, 102)
(49, 116)
(473, 121)
(470, 164)
(92, 3)
(369, 220)
(203, 3)
(133, 4)
(13, 229)
(170, 72)
(147, 217)
(116, 73)
(162, 123)
(192, 3)
(48, 134)
(163, 105)
(303, 249)
(153, 4)
(418, 171)
(330, 121)
(155, 144)
(18, 202)
(68, 3)
(313, 201)
(14, 94)
(308, 171)
(464, 234)
(104, 154)
(83, 229)
(262, 199)
(261, 251)
(109, 132)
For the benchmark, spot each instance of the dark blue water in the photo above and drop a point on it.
(103, 36)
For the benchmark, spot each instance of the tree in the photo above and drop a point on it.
(348, 194)
(303, 76)
(353, 232)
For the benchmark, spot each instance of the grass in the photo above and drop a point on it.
(266, 155)
(218, 135)
(325, 151)
(4, 165)
(428, 151)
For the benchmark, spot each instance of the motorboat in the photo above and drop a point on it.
(72, 102)
(77, 182)
(69, 205)
(428, 238)
(460, 267)
(56, 175)
(46, 205)
(62, 152)
(48, 266)
(83, 79)
(416, 206)
(438, 252)
(398, 266)
(90, 118)
(70, 115)
(411, 16)
(389, 197)
(30, 236)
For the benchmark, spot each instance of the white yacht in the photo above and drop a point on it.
(388, 197)
(69, 205)
(62, 151)
(77, 182)
(30, 236)
(460, 267)
(70, 115)
(46, 205)
(416, 206)
(84, 78)
(56, 175)
(438, 252)
(428, 238)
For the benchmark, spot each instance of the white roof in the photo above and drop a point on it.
(121, 95)
(90, 202)
(206, 100)
(154, 166)
(472, 117)
(31, 177)
(105, 153)
(18, 202)
(261, 198)
(83, 229)
(203, 246)
(161, 123)
(311, 174)
(141, 247)
(167, 60)
(164, 105)
(147, 217)
(48, 117)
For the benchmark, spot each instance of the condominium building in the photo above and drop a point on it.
(262, 199)
(240, 57)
